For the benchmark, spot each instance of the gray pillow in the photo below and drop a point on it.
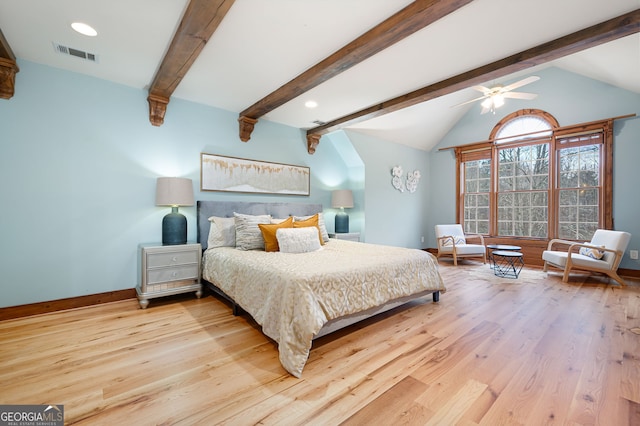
(248, 234)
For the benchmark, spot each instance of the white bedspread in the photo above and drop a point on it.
(293, 295)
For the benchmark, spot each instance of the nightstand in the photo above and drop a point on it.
(350, 236)
(167, 270)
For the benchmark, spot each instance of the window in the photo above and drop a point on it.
(523, 189)
(537, 180)
(579, 188)
(477, 191)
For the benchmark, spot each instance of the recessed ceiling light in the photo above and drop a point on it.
(84, 29)
(311, 104)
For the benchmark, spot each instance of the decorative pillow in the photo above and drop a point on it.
(222, 232)
(298, 240)
(248, 235)
(275, 220)
(592, 252)
(458, 240)
(269, 233)
(312, 221)
(321, 225)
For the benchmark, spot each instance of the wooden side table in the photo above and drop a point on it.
(167, 270)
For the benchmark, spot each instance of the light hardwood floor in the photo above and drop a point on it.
(493, 351)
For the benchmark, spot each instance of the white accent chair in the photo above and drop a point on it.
(452, 241)
(611, 243)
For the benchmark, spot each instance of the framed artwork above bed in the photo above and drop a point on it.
(220, 173)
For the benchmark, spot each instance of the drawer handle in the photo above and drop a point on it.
(175, 274)
(174, 259)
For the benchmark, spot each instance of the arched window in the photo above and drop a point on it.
(535, 179)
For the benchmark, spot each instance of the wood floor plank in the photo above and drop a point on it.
(395, 405)
(532, 350)
(453, 410)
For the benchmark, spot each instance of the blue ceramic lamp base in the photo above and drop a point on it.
(174, 228)
(342, 223)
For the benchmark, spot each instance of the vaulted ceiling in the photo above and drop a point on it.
(391, 69)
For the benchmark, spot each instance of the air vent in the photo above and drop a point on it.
(65, 50)
(319, 122)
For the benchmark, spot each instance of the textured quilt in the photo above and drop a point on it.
(292, 295)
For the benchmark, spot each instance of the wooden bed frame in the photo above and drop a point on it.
(206, 209)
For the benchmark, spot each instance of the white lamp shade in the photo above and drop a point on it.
(174, 191)
(342, 198)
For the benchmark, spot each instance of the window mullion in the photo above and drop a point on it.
(553, 192)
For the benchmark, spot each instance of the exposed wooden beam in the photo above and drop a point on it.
(198, 24)
(8, 69)
(595, 35)
(402, 24)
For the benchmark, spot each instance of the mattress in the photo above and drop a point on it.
(292, 295)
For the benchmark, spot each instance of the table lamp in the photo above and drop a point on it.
(341, 199)
(174, 192)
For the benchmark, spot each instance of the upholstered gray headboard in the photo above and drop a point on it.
(206, 209)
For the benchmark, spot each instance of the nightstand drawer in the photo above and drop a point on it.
(157, 260)
(176, 273)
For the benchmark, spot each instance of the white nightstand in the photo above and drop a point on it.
(351, 236)
(167, 270)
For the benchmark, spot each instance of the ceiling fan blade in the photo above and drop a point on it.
(485, 110)
(520, 95)
(468, 102)
(482, 89)
(520, 83)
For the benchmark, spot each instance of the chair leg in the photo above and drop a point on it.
(455, 259)
(617, 278)
(565, 276)
(544, 267)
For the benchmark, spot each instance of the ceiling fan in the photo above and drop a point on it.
(494, 97)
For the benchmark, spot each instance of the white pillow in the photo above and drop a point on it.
(321, 225)
(248, 234)
(222, 232)
(298, 240)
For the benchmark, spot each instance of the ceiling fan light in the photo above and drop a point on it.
(487, 103)
(498, 101)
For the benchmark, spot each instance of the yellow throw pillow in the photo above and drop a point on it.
(312, 221)
(269, 233)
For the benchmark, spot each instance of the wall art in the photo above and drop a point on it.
(220, 173)
(412, 179)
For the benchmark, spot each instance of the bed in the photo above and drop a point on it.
(298, 297)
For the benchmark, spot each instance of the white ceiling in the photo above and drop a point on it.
(261, 45)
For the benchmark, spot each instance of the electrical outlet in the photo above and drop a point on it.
(633, 254)
(422, 241)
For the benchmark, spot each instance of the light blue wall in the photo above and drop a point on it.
(78, 168)
(354, 180)
(393, 217)
(571, 99)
